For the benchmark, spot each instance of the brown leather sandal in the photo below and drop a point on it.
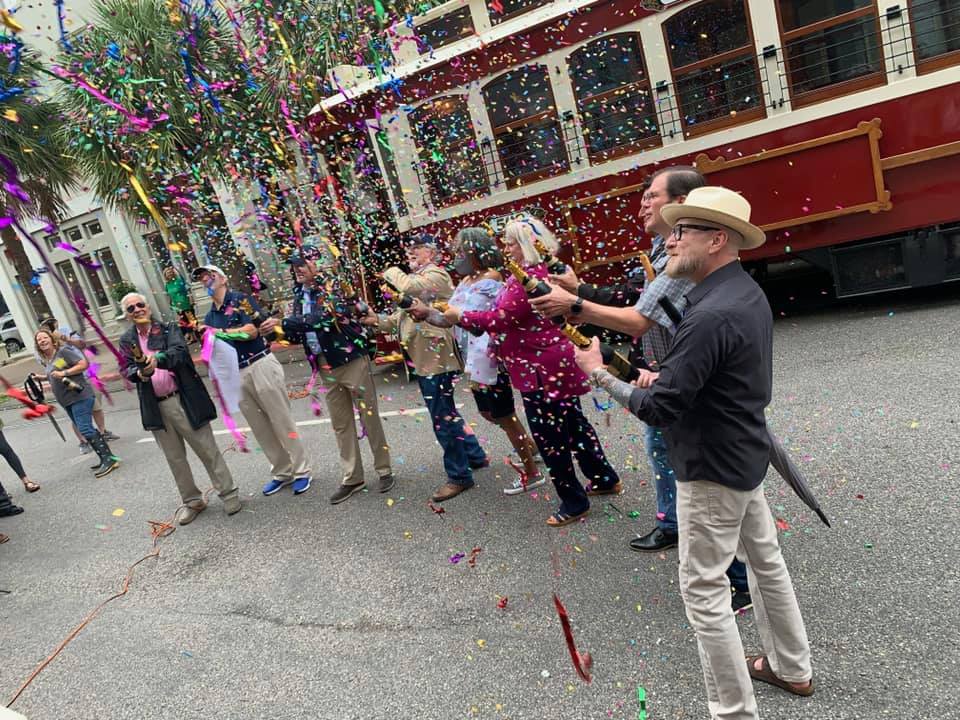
(3, 538)
(615, 489)
(30, 486)
(765, 674)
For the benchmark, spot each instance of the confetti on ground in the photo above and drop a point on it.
(118, 512)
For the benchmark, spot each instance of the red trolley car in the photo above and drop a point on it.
(839, 120)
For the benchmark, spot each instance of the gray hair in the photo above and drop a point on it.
(524, 231)
(130, 296)
(480, 245)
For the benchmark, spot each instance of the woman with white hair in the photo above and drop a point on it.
(540, 362)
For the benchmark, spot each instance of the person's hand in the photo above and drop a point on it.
(370, 318)
(646, 378)
(58, 375)
(452, 314)
(151, 364)
(268, 325)
(590, 358)
(419, 310)
(568, 280)
(557, 302)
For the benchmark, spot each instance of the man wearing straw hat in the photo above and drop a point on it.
(710, 395)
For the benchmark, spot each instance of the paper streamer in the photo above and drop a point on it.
(206, 352)
(582, 662)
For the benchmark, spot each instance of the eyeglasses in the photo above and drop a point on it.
(679, 229)
(135, 306)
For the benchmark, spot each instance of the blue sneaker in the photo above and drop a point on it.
(301, 485)
(275, 486)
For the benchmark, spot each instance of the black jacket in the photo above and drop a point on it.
(339, 335)
(193, 397)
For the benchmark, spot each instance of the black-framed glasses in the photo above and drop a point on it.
(680, 228)
(135, 306)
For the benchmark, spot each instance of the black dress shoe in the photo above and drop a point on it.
(9, 509)
(655, 540)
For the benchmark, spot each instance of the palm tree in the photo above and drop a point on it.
(168, 72)
(30, 138)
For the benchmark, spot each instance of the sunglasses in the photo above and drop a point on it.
(135, 306)
(679, 229)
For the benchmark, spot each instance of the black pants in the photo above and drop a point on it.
(11, 457)
(561, 431)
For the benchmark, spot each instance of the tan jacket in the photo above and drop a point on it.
(433, 350)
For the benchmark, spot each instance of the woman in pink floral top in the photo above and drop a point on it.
(539, 359)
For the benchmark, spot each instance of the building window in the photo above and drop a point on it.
(51, 241)
(93, 278)
(446, 29)
(526, 129)
(74, 235)
(389, 162)
(506, 9)
(105, 258)
(711, 52)
(447, 146)
(831, 47)
(617, 111)
(93, 228)
(936, 33)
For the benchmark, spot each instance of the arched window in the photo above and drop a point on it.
(447, 147)
(527, 132)
(936, 33)
(711, 51)
(617, 110)
(831, 47)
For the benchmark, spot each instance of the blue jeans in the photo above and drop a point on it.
(81, 414)
(663, 478)
(461, 450)
(666, 484)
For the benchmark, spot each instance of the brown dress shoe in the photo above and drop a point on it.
(188, 513)
(449, 490)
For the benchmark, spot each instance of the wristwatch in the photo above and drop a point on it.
(577, 307)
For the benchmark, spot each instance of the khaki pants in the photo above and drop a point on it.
(171, 440)
(266, 406)
(716, 523)
(344, 385)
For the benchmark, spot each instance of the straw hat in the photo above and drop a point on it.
(717, 206)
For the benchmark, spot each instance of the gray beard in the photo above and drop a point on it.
(678, 267)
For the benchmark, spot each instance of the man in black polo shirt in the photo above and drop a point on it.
(710, 395)
(263, 389)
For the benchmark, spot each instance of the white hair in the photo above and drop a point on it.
(130, 296)
(524, 231)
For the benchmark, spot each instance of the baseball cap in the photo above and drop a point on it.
(207, 268)
(421, 240)
(304, 254)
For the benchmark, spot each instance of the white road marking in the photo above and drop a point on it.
(320, 421)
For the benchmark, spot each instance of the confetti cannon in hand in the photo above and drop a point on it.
(616, 363)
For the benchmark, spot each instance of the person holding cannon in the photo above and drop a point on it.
(174, 405)
(325, 320)
(539, 360)
(263, 389)
(433, 354)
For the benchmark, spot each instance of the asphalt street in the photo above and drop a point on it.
(381, 608)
